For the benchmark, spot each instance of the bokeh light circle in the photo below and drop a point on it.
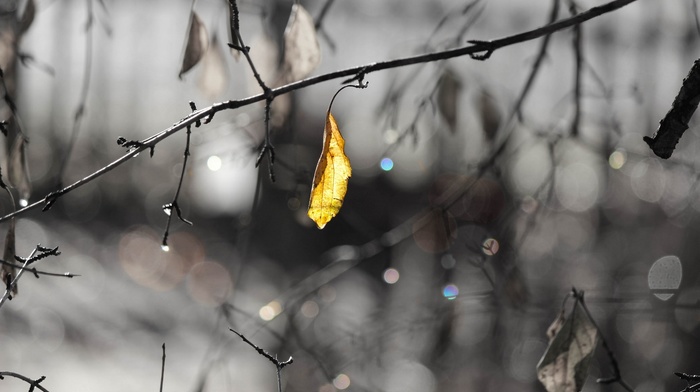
(391, 275)
(209, 283)
(450, 291)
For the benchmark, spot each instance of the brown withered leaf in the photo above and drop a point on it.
(331, 177)
(27, 17)
(214, 77)
(490, 115)
(449, 87)
(7, 273)
(17, 169)
(564, 365)
(196, 44)
(302, 53)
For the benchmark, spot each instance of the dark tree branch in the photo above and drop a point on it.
(674, 124)
(373, 67)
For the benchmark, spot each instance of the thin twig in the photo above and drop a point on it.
(173, 207)
(33, 383)
(278, 365)
(208, 112)
(35, 272)
(8, 290)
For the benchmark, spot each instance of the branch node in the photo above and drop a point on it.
(482, 46)
(50, 199)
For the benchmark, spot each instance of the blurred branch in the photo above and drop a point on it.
(80, 110)
(33, 383)
(538, 62)
(208, 113)
(578, 69)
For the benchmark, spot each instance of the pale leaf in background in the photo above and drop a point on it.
(27, 16)
(449, 88)
(196, 44)
(18, 172)
(214, 77)
(490, 114)
(302, 53)
(8, 272)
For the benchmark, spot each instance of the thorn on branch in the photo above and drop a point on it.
(484, 46)
(197, 123)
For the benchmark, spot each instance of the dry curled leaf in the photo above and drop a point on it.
(27, 17)
(490, 115)
(331, 177)
(449, 87)
(196, 44)
(8, 272)
(18, 173)
(564, 366)
(214, 78)
(302, 53)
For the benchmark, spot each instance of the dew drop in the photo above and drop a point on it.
(23, 202)
(165, 248)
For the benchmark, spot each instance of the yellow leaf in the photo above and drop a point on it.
(331, 177)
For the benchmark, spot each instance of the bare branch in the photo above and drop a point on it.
(482, 46)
